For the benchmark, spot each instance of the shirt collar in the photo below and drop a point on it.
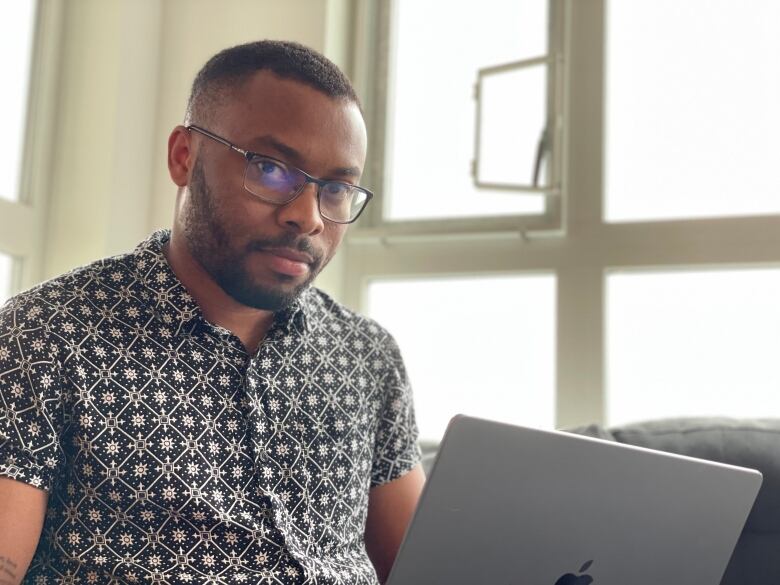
(296, 315)
(168, 301)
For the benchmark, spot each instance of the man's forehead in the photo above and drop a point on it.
(279, 101)
(292, 118)
(264, 90)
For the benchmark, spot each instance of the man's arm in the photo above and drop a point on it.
(390, 508)
(22, 511)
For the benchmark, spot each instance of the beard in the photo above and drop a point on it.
(207, 235)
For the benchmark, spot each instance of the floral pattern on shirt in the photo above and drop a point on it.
(173, 456)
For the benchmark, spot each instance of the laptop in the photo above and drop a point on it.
(507, 505)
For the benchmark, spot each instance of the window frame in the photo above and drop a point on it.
(372, 67)
(582, 252)
(22, 222)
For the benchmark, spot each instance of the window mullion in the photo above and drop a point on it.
(581, 392)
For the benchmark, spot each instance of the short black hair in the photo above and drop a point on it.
(287, 59)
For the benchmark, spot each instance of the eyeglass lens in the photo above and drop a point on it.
(277, 183)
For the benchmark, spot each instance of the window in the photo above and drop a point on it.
(29, 49)
(511, 133)
(16, 34)
(480, 346)
(6, 276)
(435, 60)
(693, 127)
(693, 344)
(670, 122)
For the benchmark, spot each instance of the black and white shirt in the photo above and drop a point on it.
(172, 455)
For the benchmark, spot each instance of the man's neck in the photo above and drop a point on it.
(248, 324)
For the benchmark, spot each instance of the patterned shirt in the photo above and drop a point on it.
(171, 455)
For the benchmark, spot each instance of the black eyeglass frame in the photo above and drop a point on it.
(250, 155)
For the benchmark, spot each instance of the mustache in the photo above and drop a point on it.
(287, 240)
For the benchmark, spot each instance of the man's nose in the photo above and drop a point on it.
(302, 213)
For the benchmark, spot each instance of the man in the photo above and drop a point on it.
(194, 411)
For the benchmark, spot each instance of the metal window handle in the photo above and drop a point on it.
(541, 150)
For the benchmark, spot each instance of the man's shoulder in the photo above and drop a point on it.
(37, 305)
(331, 315)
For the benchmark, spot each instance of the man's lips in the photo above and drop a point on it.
(291, 254)
(289, 262)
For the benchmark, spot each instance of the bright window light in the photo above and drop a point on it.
(16, 35)
(510, 135)
(692, 116)
(478, 346)
(437, 51)
(6, 274)
(693, 344)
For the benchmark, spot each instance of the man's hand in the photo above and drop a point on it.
(390, 508)
(22, 511)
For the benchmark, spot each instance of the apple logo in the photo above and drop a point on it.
(572, 579)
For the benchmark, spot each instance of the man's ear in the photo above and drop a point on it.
(180, 156)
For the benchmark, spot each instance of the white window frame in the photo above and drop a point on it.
(22, 222)
(371, 71)
(585, 250)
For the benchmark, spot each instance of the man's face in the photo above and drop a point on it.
(261, 254)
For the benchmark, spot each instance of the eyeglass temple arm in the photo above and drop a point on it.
(219, 139)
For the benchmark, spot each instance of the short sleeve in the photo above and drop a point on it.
(396, 450)
(30, 405)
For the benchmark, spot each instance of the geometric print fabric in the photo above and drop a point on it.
(173, 456)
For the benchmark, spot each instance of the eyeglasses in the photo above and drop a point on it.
(278, 183)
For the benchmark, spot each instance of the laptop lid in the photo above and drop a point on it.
(508, 505)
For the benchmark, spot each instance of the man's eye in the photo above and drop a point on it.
(273, 175)
(336, 189)
(269, 167)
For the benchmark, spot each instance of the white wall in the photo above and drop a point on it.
(125, 72)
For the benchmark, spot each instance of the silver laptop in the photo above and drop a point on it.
(508, 505)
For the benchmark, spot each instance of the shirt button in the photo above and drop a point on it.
(264, 456)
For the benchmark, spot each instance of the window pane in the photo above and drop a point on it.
(693, 344)
(510, 134)
(16, 32)
(6, 276)
(479, 346)
(438, 49)
(693, 124)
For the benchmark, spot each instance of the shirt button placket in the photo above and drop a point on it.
(255, 388)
